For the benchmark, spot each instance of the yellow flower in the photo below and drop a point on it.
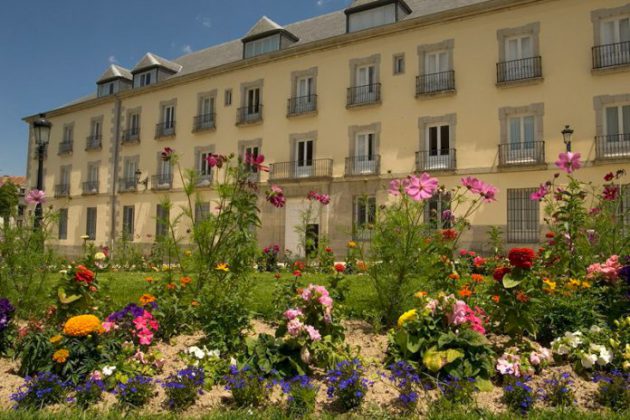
(421, 294)
(574, 284)
(586, 285)
(55, 339)
(223, 267)
(100, 256)
(82, 325)
(187, 253)
(60, 356)
(550, 286)
(352, 244)
(146, 299)
(165, 267)
(407, 316)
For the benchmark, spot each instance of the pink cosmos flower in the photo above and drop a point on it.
(395, 186)
(458, 314)
(35, 197)
(324, 199)
(422, 187)
(611, 192)
(256, 162)
(275, 196)
(569, 161)
(292, 314)
(473, 184)
(488, 192)
(542, 191)
(313, 334)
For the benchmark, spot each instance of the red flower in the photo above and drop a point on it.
(609, 177)
(522, 257)
(496, 298)
(522, 297)
(83, 275)
(328, 250)
(297, 273)
(479, 261)
(611, 192)
(550, 235)
(299, 265)
(340, 268)
(500, 272)
(449, 234)
(276, 276)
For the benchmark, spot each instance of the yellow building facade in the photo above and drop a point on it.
(343, 103)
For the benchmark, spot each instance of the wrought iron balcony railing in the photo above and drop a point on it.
(162, 182)
(94, 142)
(302, 105)
(616, 146)
(526, 153)
(363, 95)
(62, 190)
(65, 147)
(436, 160)
(611, 55)
(363, 165)
(90, 187)
(165, 129)
(249, 114)
(516, 70)
(301, 169)
(204, 122)
(435, 82)
(131, 135)
(128, 184)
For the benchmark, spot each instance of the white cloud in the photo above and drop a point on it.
(112, 59)
(204, 20)
(187, 49)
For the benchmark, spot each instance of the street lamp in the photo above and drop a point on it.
(567, 133)
(41, 130)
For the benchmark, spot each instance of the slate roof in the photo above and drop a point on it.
(263, 25)
(151, 60)
(114, 72)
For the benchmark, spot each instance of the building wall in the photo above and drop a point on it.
(567, 93)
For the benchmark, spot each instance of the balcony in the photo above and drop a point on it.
(429, 84)
(165, 129)
(204, 180)
(204, 122)
(93, 143)
(65, 147)
(363, 165)
(611, 55)
(62, 190)
(162, 182)
(522, 154)
(249, 114)
(128, 184)
(90, 187)
(299, 170)
(301, 105)
(436, 160)
(131, 136)
(616, 146)
(364, 95)
(519, 70)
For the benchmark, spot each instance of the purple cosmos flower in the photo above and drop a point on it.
(569, 161)
(542, 191)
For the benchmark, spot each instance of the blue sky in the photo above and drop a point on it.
(52, 52)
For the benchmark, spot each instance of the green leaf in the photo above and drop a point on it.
(509, 282)
(484, 385)
(64, 299)
(435, 360)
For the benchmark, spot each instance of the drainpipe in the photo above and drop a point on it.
(114, 171)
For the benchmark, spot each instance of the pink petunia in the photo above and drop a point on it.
(569, 161)
(108, 326)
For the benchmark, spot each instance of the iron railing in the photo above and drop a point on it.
(90, 187)
(162, 182)
(165, 129)
(363, 95)
(523, 69)
(363, 165)
(303, 169)
(616, 146)
(62, 190)
(362, 234)
(65, 147)
(204, 122)
(302, 105)
(204, 180)
(526, 153)
(249, 114)
(436, 160)
(131, 135)
(93, 142)
(127, 184)
(610, 55)
(523, 224)
(435, 82)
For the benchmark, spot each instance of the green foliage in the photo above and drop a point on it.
(558, 391)
(135, 393)
(34, 352)
(9, 200)
(613, 391)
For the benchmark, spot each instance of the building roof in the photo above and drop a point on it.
(264, 25)
(152, 60)
(19, 181)
(115, 72)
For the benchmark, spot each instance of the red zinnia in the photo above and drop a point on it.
(522, 257)
(297, 273)
(83, 275)
(449, 234)
(500, 272)
(550, 235)
(340, 268)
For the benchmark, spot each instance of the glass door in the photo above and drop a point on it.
(304, 158)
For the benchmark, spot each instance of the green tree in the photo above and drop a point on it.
(8, 201)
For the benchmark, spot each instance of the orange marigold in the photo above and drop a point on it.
(185, 281)
(477, 278)
(82, 325)
(421, 294)
(146, 299)
(60, 356)
(522, 297)
(148, 279)
(194, 303)
(453, 276)
(465, 292)
(496, 298)
(171, 286)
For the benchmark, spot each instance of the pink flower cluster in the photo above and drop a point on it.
(276, 197)
(608, 270)
(513, 364)
(462, 314)
(418, 188)
(476, 186)
(324, 199)
(296, 325)
(146, 326)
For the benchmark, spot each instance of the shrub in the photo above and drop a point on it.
(40, 390)
(301, 395)
(34, 351)
(248, 388)
(613, 390)
(518, 396)
(347, 384)
(135, 392)
(89, 393)
(558, 391)
(406, 381)
(183, 388)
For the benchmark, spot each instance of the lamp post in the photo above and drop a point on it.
(41, 129)
(567, 133)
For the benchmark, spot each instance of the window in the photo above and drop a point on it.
(63, 224)
(131, 166)
(399, 64)
(253, 101)
(522, 217)
(518, 47)
(164, 171)
(204, 169)
(364, 159)
(303, 158)
(251, 151)
(90, 228)
(373, 17)
(436, 62)
(262, 46)
(303, 92)
(618, 122)
(91, 186)
(365, 89)
(168, 117)
(128, 222)
(63, 189)
(161, 221)
(134, 124)
(227, 97)
(434, 214)
(624, 208)
(615, 31)
(519, 53)
(68, 133)
(438, 147)
(202, 211)
(364, 217)
(206, 113)
(143, 79)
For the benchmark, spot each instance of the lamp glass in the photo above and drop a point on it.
(42, 131)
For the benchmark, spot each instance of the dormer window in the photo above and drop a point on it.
(153, 69)
(364, 14)
(144, 79)
(265, 37)
(114, 80)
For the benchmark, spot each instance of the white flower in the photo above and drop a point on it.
(233, 361)
(605, 356)
(108, 370)
(588, 360)
(196, 352)
(595, 329)
(213, 353)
